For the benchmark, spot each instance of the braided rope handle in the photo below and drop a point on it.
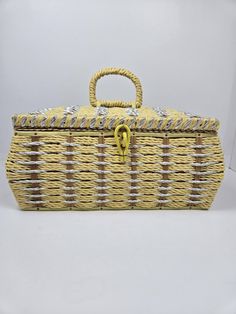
(115, 103)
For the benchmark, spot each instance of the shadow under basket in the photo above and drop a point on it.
(114, 155)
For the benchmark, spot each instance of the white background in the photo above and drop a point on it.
(129, 262)
(183, 51)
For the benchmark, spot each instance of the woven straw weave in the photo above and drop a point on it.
(68, 158)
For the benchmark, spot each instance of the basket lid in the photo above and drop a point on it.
(107, 115)
(87, 117)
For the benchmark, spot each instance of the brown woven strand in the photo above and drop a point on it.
(165, 176)
(101, 176)
(197, 176)
(133, 176)
(69, 176)
(35, 176)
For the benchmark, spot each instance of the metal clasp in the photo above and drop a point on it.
(122, 138)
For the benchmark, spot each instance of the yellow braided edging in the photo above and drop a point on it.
(147, 119)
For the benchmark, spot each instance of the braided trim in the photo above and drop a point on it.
(87, 118)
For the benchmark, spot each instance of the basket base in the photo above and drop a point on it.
(110, 209)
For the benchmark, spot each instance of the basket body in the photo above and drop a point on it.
(72, 170)
(114, 155)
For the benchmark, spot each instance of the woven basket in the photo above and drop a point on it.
(114, 155)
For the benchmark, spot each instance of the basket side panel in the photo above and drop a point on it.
(61, 171)
(181, 172)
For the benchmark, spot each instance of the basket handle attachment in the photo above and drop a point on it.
(115, 103)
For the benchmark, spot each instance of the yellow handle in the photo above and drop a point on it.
(115, 103)
(123, 143)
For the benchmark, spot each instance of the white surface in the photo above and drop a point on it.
(183, 51)
(155, 262)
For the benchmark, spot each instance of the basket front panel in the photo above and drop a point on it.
(66, 171)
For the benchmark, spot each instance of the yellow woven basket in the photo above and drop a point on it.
(114, 155)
